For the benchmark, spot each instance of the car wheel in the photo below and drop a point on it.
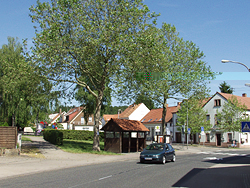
(163, 160)
(173, 159)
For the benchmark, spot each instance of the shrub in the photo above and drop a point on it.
(4, 124)
(53, 136)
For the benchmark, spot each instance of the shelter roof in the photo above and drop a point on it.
(115, 124)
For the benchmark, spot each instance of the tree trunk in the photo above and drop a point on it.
(164, 112)
(96, 141)
(13, 120)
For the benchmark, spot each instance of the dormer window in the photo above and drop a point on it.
(217, 102)
(149, 120)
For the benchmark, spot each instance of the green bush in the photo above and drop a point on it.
(80, 135)
(50, 136)
(53, 136)
(4, 124)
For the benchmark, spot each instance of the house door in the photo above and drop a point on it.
(178, 137)
(194, 139)
(218, 139)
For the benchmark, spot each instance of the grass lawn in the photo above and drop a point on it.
(25, 138)
(83, 146)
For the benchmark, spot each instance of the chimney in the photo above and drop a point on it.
(244, 95)
(60, 111)
(178, 103)
(166, 105)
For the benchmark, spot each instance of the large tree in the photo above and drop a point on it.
(24, 93)
(92, 39)
(177, 71)
(225, 88)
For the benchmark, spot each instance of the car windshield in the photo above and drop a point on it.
(155, 147)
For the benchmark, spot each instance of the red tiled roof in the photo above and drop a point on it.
(73, 112)
(155, 115)
(240, 99)
(128, 111)
(124, 125)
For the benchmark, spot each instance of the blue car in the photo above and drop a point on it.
(158, 152)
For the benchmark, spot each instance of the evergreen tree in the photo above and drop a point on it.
(225, 88)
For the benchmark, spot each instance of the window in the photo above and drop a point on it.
(217, 102)
(229, 137)
(149, 120)
(207, 137)
(143, 120)
(125, 134)
(90, 119)
(216, 120)
(140, 134)
(109, 134)
(117, 135)
(133, 134)
(208, 117)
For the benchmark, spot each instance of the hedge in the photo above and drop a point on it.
(72, 135)
(81, 135)
(53, 136)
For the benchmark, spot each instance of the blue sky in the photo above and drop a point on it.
(219, 28)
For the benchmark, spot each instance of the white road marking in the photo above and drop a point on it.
(210, 158)
(105, 177)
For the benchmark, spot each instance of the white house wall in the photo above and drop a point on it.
(139, 113)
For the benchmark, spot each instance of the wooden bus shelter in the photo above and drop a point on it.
(122, 135)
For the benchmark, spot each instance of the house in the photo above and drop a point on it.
(74, 120)
(57, 117)
(217, 137)
(153, 121)
(134, 112)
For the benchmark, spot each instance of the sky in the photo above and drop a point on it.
(220, 28)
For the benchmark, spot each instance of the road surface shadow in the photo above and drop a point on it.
(227, 172)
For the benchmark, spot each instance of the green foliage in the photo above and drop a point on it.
(225, 88)
(196, 115)
(53, 136)
(231, 116)
(4, 124)
(144, 98)
(114, 109)
(24, 93)
(181, 67)
(97, 41)
(80, 135)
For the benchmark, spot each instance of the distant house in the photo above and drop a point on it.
(134, 112)
(153, 121)
(57, 117)
(74, 120)
(217, 137)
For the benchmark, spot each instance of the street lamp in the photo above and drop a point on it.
(229, 61)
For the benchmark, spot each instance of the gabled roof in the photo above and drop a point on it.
(242, 100)
(155, 115)
(115, 124)
(72, 113)
(128, 111)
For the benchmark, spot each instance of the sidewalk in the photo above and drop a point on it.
(55, 158)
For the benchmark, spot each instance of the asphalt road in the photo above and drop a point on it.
(203, 169)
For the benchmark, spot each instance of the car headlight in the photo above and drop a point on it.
(142, 155)
(156, 156)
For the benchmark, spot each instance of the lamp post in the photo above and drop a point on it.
(229, 61)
